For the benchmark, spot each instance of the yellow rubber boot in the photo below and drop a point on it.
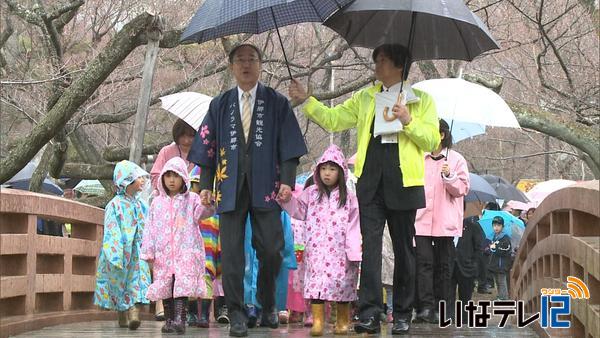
(343, 318)
(318, 313)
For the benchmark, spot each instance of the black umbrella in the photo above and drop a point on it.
(219, 18)
(509, 193)
(429, 29)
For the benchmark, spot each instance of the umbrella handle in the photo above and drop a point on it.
(281, 43)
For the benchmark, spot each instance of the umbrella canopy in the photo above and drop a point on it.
(188, 106)
(220, 18)
(495, 179)
(22, 178)
(440, 29)
(90, 187)
(511, 223)
(480, 190)
(464, 130)
(516, 205)
(460, 100)
(541, 190)
(509, 192)
(301, 178)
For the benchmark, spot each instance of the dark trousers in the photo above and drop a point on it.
(434, 270)
(465, 290)
(267, 240)
(401, 223)
(485, 276)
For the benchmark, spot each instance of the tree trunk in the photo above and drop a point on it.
(114, 154)
(90, 154)
(89, 171)
(75, 95)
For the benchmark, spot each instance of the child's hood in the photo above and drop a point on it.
(125, 173)
(177, 165)
(333, 154)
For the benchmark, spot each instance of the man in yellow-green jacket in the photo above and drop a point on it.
(390, 180)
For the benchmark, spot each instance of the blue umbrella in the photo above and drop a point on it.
(480, 190)
(301, 179)
(22, 178)
(511, 223)
(219, 18)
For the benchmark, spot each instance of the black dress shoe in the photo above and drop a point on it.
(370, 325)
(238, 329)
(401, 326)
(427, 316)
(270, 319)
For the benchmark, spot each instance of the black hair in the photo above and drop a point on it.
(397, 53)
(181, 128)
(492, 206)
(235, 49)
(447, 140)
(341, 183)
(498, 220)
(183, 188)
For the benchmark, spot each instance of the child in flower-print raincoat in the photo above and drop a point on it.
(173, 243)
(332, 239)
(122, 278)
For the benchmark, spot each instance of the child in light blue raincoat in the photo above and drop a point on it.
(122, 278)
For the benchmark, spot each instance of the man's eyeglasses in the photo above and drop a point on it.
(251, 61)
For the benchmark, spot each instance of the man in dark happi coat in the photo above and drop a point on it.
(248, 148)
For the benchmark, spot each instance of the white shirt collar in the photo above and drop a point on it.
(394, 88)
(252, 93)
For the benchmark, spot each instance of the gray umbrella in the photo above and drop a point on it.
(509, 192)
(219, 18)
(491, 179)
(443, 29)
(480, 190)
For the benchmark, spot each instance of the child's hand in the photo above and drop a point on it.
(285, 193)
(206, 197)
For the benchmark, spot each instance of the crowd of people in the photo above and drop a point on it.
(227, 222)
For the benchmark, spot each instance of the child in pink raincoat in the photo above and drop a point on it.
(173, 243)
(333, 240)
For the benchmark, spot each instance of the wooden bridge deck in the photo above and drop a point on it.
(149, 329)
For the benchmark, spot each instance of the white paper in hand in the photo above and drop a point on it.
(385, 121)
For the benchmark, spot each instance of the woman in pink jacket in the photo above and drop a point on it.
(436, 225)
(333, 240)
(183, 137)
(172, 242)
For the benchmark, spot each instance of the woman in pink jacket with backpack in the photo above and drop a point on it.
(436, 225)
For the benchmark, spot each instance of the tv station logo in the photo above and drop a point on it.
(554, 303)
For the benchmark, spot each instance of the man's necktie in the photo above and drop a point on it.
(246, 114)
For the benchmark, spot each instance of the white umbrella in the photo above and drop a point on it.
(460, 100)
(188, 106)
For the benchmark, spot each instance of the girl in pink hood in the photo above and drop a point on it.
(173, 244)
(332, 239)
